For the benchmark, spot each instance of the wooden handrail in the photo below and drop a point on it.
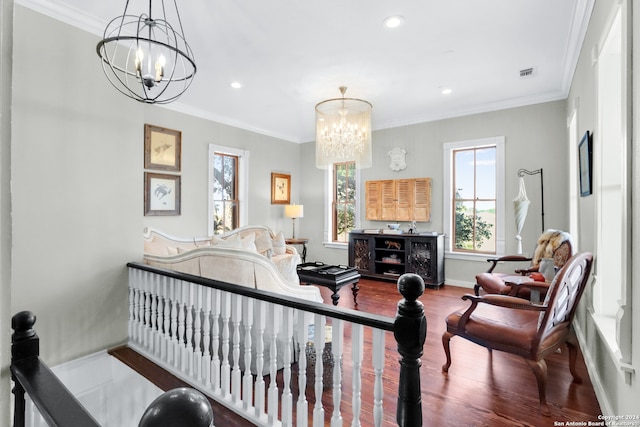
(54, 401)
(354, 316)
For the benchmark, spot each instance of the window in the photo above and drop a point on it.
(342, 183)
(612, 152)
(474, 190)
(344, 200)
(228, 177)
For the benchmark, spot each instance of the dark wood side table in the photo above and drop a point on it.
(299, 241)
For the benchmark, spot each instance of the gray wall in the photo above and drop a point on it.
(535, 138)
(77, 186)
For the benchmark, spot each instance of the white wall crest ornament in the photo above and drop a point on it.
(397, 156)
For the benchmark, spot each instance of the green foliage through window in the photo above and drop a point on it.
(475, 199)
(225, 193)
(344, 200)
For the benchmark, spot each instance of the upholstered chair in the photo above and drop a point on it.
(518, 326)
(554, 244)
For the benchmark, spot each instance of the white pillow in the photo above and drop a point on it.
(172, 250)
(264, 245)
(247, 242)
(279, 247)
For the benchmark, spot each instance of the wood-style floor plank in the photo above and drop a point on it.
(481, 388)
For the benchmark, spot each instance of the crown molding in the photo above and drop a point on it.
(66, 14)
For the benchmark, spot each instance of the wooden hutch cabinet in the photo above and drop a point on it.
(388, 256)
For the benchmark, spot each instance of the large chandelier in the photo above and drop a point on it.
(147, 59)
(343, 132)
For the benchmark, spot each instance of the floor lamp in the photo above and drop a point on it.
(293, 212)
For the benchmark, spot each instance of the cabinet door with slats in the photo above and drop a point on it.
(373, 200)
(422, 199)
(404, 196)
(388, 196)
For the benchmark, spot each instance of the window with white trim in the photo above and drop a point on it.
(228, 180)
(342, 184)
(612, 153)
(474, 196)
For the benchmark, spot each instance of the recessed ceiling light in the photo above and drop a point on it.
(393, 21)
(446, 90)
(235, 85)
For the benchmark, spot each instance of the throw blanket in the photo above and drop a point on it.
(548, 243)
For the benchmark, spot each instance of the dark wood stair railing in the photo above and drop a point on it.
(54, 401)
(59, 407)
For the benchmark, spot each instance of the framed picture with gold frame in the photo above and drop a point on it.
(280, 189)
(162, 148)
(161, 194)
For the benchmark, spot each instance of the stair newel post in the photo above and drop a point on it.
(25, 344)
(410, 331)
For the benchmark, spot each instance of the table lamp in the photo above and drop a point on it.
(293, 212)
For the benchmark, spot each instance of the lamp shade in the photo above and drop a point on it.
(294, 211)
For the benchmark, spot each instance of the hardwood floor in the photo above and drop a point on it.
(481, 388)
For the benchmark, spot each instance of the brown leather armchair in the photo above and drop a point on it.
(518, 326)
(554, 244)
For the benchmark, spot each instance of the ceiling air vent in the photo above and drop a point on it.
(527, 72)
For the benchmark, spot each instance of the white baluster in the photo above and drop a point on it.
(318, 328)
(175, 343)
(153, 336)
(247, 379)
(138, 310)
(337, 328)
(206, 337)
(132, 296)
(158, 329)
(179, 362)
(302, 406)
(261, 321)
(215, 340)
(356, 353)
(236, 374)
(274, 323)
(147, 312)
(166, 346)
(225, 374)
(187, 349)
(378, 351)
(197, 333)
(287, 398)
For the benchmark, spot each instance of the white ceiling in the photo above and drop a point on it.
(291, 54)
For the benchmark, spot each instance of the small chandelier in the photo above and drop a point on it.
(343, 132)
(147, 59)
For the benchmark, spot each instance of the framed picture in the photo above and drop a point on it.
(585, 158)
(162, 148)
(161, 194)
(280, 188)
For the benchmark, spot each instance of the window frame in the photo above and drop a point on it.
(329, 221)
(242, 178)
(611, 310)
(448, 149)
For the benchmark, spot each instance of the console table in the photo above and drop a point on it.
(388, 256)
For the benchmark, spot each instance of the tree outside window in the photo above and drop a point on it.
(225, 193)
(474, 185)
(344, 200)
